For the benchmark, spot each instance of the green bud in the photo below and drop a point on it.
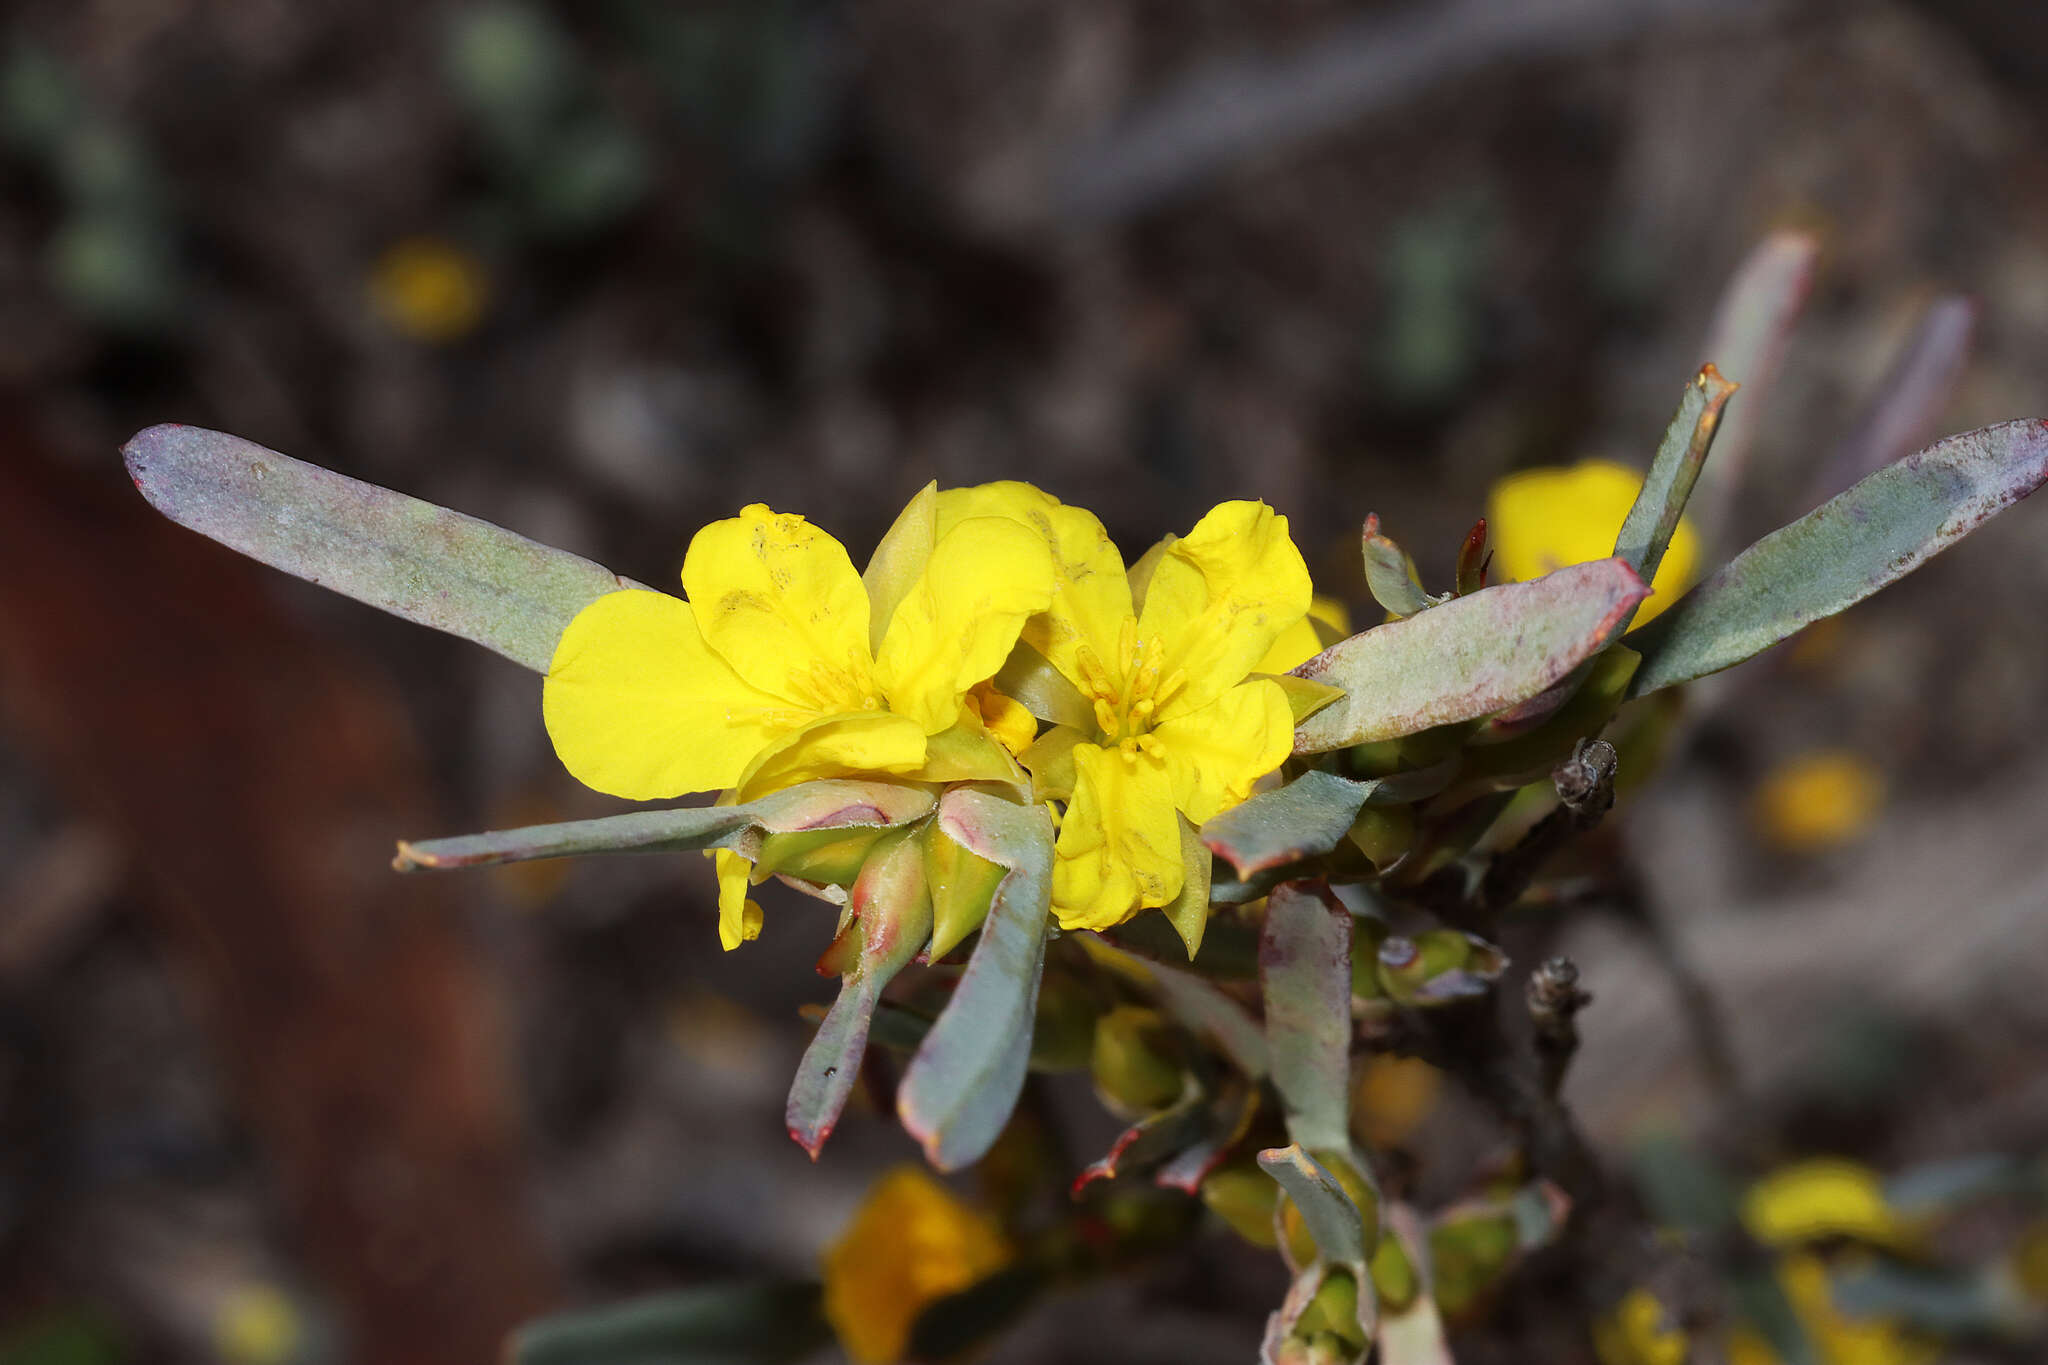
(1438, 966)
(1334, 1310)
(1384, 833)
(963, 886)
(829, 857)
(1244, 1196)
(1134, 1061)
(1393, 1274)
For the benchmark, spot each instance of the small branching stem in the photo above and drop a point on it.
(1555, 999)
(1585, 793)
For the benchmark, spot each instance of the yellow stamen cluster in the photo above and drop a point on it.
(1126, 706)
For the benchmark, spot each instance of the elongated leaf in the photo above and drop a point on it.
(425, 563)
(1469, 657)
(892, 909)
(1842, 552)
(1747, 340)
(832, 804)
(1647, 530)
(964, 1080)
(1189, 913)
(1305, 976)
(1331, 1218)
(736, 1324)
(1307, 817)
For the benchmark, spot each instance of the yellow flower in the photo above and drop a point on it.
(910, 1244)
(1161, 656)
(1542, 520)
(1840, 1339)
(1824, 1197)
(428, 289)
(258, 1325)
(781, 665)
(1818, 800)
(1636, 1332)
(1327, 622)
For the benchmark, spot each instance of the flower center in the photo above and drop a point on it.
(837, 687)
(1129, 690)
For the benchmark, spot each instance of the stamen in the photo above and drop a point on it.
(1106, 717)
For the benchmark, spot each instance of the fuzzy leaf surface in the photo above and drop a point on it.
(1469, 657)
(1305, 976)
(430, 565)
(1843, 551)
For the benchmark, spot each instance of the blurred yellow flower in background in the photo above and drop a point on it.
(1821, 1198)
(1818, 800)
(910, 1244)
(429, 289)
(1542, 520)
(258, 1325)
(1637, 1332)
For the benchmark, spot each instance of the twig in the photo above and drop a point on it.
(1585, 793)
(1555, 999)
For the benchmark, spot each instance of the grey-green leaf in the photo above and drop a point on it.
(736, 1324)
(1469, 657)
(1305, 976)
(963, 1082)
(832, 804)
(1306, 817)
(1332, 1219)
(1842, 552)
(1652, 520)
(411, 558)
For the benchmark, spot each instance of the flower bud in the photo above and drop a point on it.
(1245, 1197)
(1384, 833)
(1134, 1061)
(1438, 966)
(829, 857)
(963, 885)
(1393, 1275)
(1334, 1310)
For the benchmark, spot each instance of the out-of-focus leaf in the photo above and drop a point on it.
(892, 911)
(1305, 976)
(1747, 340)
(1842, 552)
(425, 563)
(1944, 1303)
(1192, 1002)
(1901, 416)
(1389, 573)
(1307, 817)
(829, 804)
(963, 1082)
(1152, 1139)
(1683, 1186)
(738, 1324)
(1469, 657)
(1472, 558)
(1229, 1119)
(1438, 966)
(1942, 1186)
(1650, 523)
(1230, 947)
(1332, 1219)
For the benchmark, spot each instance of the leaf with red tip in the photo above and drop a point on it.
(964, 1080)
(1843, 551)
(1303, 819)
(891, 906)
(1152, 1139)
(1469, 657)
(411, 558)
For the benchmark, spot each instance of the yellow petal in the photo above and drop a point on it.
(1222, 595)
(1327, 622)
(779, 600)
(857, 742)
(639, 707)
(910, 1243)
(739, 919)
(1119, 845)
(956, 626)
(1216, 752)
(1542, 520)
(899, 560)
(1010, 721)
(1091, 596)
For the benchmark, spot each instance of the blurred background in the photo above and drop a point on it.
(604, 272)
